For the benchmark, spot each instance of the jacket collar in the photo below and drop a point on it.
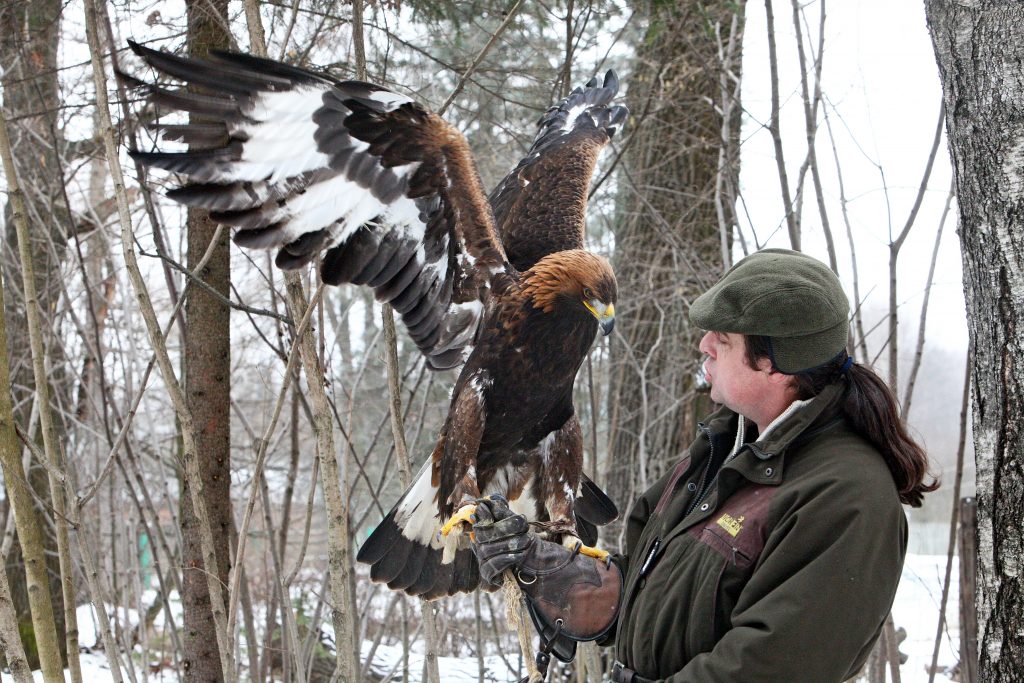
(797, 419)
(801, 420)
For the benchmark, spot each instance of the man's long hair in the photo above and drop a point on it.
(871, 410)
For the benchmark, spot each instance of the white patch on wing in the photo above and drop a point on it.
(391, 100)
(281, 142)
(404, 211)
(282, 105)
(331, 200)
(417, 512)
(278, 151)
(572, 114)
(367, 208)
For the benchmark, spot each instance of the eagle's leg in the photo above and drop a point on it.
(559, 503)
(597, 553)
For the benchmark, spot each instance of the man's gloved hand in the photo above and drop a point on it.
(501, 539)
(561, 585)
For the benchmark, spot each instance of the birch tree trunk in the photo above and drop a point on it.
(979, 47)
(208, 392)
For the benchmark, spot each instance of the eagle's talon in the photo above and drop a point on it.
(464, 515)
(597, 554)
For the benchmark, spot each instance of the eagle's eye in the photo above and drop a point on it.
(588, 293)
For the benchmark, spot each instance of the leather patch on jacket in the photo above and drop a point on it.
(738, 529)
(670, 487)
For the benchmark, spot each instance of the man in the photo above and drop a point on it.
(772, 551)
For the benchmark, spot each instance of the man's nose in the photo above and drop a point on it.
(705, 343)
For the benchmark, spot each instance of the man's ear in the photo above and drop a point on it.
(774, 375)
(766, 366)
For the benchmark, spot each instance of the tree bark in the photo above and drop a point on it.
(339, 545)
(979, 46)
(668, 245)
(29, 40)
(44, 643)
(208, 393)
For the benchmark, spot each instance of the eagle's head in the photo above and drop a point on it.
(574, 281)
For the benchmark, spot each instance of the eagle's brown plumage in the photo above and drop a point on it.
(387, 193)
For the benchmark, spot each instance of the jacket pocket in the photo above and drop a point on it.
(726, 547)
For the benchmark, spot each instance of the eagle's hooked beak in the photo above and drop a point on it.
(605, 314)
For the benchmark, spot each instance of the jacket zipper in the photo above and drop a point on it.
(703, 491)
(704, 486)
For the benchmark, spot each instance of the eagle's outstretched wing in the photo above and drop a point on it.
(306, 164)
(540, 207)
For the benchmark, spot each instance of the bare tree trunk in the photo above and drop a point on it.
(29, 40)
(208, 393)
(30, 535)
(189, 450)
(48, 429)
(668, 245)
(979, 47)
(10, 640)
(339, 553)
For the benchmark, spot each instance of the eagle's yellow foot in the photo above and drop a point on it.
(464, 515)
(572, 542)
(602, 555)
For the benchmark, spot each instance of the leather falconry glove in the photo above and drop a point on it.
(560, 585)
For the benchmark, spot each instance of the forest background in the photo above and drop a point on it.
(752, 125)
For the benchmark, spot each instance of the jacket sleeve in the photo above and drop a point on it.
(819, 594)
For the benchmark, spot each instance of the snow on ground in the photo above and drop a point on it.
(916, 610)
(387, 663)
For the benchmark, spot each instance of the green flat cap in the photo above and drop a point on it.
(792, 298)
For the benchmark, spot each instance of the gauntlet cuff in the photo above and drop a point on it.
(581, 592)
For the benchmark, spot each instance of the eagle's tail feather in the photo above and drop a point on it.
(594, 505)
(404, 551)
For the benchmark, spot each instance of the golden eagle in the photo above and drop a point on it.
(388, 193)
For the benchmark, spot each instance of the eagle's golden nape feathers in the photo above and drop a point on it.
(575, 273)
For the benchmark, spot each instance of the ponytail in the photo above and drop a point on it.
(872, 411)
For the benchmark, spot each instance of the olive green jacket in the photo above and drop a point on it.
(783, 572)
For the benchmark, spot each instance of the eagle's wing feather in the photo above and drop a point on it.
(308, 165)
(455, 458)
(540, 207)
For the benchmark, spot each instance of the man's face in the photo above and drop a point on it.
(734, 383)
